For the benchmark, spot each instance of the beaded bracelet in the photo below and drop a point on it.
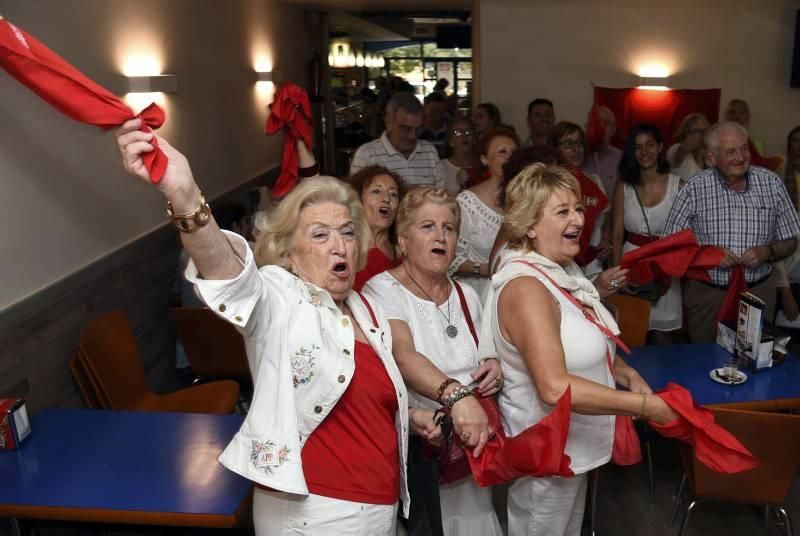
(442, 388)
(456, 395)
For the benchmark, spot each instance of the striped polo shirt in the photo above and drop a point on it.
(421, 168)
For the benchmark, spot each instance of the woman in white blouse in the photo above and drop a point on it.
(687, 157)
(457, 167)
(481, 214)
(433, 316)
(545, 322)
(325, 439)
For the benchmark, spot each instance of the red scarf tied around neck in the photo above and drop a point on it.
(70, 92)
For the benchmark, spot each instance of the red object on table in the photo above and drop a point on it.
(676, 255)
(70, 92)
(730, 306)
(290, 111)
(536, 451)
(714, 447)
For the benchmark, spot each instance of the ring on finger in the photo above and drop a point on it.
(465, 436)
(498, 382)
(614, 283)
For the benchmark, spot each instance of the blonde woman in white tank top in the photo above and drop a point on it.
(535, 322)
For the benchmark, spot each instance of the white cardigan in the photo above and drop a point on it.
(300, 348)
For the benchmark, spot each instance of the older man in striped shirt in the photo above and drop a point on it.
(399, 149)
(741, 208)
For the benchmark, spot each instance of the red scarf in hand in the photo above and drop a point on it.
(536, 451)
(70, 92)
(714, 447)
(291, 112)
(676, 255)
(594, 203)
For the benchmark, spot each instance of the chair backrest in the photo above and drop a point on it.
(86, 383)
(110, 354)
(214, 347)
(774, 439)
(633, 317)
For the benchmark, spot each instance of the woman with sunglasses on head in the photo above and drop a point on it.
(457, 167)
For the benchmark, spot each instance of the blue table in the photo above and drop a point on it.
(124, 467)
(689, 365)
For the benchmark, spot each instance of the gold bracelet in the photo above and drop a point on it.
(641, 410)
(191, 221)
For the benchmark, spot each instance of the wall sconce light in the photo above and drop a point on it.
(159, 83)
(660, 83)
(264, 76)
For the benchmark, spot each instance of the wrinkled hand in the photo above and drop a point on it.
(422, 424)
(603, 282)
(470, 424)
(754, 257)
(133, 144)
(658, 411)
(490, 375)
(729, 260)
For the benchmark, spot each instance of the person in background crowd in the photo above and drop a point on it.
(435, 123)
(789, 169)
(541, 118)
(741, 208)
(738, 111)
(543, 324)
(481, 215)
(429, 318)
(398, 149)
(441, 86)
(569, 141)
(486, 117)
(687, 157)
(457, 167)
(604, 161)
(380, 192)
(642, 202)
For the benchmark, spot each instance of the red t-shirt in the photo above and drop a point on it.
(377, 263)
(353, 454)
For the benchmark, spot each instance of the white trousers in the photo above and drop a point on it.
(283, 514)
(550, 506)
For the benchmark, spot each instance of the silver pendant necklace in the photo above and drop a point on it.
(451, 331)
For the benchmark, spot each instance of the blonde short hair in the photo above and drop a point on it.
(526, 196)
(274, 231)
(416, 197)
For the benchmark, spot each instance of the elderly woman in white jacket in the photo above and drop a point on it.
(326, 436)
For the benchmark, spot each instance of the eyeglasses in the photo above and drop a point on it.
(463, 132)
(571, 144)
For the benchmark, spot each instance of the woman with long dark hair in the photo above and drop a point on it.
(642, 202)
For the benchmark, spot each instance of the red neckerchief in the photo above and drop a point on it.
(70, 92)
(594, 203)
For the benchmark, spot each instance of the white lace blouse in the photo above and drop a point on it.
(479, 227)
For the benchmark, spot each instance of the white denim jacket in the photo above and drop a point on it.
(300, 348)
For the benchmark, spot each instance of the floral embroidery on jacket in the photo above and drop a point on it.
(303, 365)
(309, 292)
(267, 456)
